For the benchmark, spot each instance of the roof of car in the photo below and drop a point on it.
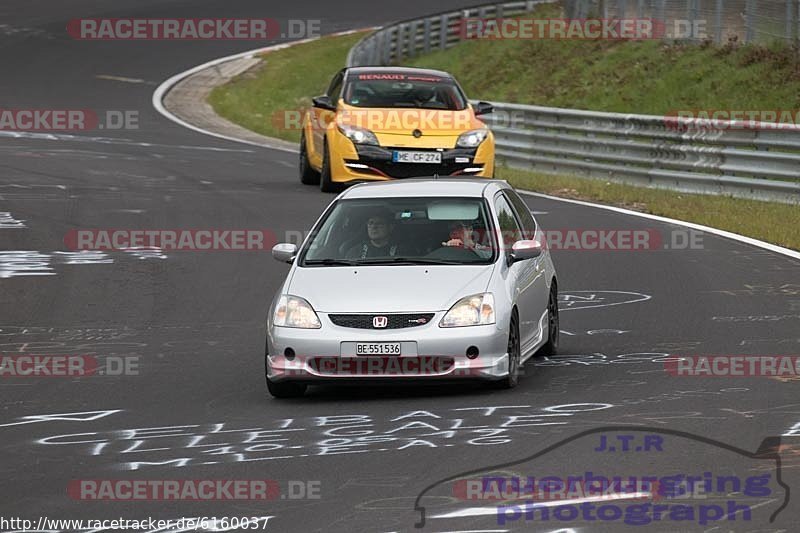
(400, 70)
(475, 187)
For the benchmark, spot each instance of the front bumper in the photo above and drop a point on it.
(428, 353)
(353, 163)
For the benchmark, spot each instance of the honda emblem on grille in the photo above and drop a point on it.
(380, 321)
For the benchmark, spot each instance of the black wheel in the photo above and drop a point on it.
(551, 346)
(308, 176)
(511, 380)
(325, 182)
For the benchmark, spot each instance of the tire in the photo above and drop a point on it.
(286, 389)
(512, 379)
(553, 331)
(325, 182)
(308, 176)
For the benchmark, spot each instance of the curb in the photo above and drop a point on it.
(183, 97)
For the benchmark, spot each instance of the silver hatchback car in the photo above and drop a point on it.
(418, 279)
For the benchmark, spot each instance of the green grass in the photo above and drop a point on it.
(767, 221)
(648, 77)
(593, 76)
(284, 81)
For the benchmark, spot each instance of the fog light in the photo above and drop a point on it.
(288, 353)
(472, 352)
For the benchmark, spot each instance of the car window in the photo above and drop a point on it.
(407, 230)
(523, 213)
(335, 89)
(403, 90)
(510, 231)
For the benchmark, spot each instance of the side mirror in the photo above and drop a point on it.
(522, 250)
(483, 108)
(323, 102)
(284, 252)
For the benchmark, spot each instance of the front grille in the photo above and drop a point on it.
(379, 158)
(415, 170)
(394, 321)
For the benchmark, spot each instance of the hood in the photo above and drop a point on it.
(388, 289)
(403, 121)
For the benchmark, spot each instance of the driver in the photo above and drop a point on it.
(379, 238)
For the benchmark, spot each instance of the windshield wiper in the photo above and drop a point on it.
(330, 262)
(409, 261)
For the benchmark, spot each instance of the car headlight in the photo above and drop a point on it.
(475, 310)
(358, 135)
(294, 312)
(472, 138)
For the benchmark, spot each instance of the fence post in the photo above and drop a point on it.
(412, 38)
(426, 38)
(443, 32)
(718, 22)
(789, 17)
(375, 49)
(749, 30)
(391, 36)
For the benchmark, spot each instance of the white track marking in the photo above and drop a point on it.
(722, 233)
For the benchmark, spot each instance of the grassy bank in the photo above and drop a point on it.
(285, 81)
(288, 78)
(649, 77)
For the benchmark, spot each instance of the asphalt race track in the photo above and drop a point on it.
(195, 322)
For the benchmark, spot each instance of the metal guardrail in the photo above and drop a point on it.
(690, 155)
(402, 40)
(727, 158)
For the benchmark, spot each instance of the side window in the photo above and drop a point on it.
(523, 213)
(335, 90)
(510, 231)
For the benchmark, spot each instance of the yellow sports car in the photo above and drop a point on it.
(380, 123)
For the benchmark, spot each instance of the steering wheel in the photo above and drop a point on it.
(453, 253)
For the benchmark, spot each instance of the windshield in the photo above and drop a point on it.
(403, 90)
(433, 231)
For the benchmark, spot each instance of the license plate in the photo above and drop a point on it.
(378, 348)
(416, 157)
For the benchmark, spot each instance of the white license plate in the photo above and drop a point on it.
(416, 157)
(377, 348)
